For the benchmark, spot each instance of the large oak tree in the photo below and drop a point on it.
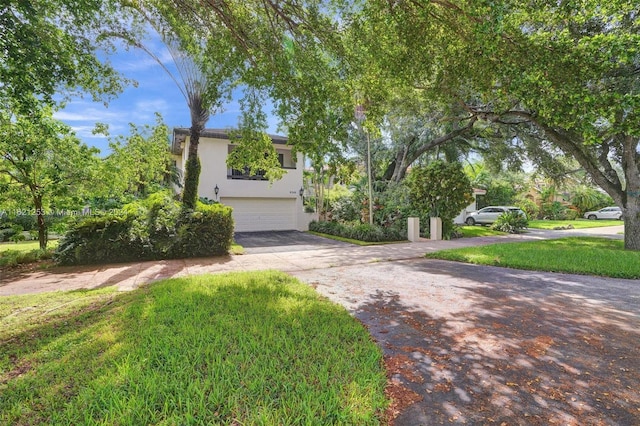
(567, 71)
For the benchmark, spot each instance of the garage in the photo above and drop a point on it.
(262, 214)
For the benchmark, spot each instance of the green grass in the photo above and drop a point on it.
(479, 231)
(12, 254)
(236, 248)
(577, 224)
(250, 348)
(26, 246)
(577, 255)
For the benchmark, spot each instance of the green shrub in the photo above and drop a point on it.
(441, 189)
(17, 237)
(554, 211)
(153, 228)
(207, 231)
(529, 207)
(10, 258)
(511, 222)
(361, 232)
(100, 239)
(6, 234)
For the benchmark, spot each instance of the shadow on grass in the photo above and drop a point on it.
(244, 348)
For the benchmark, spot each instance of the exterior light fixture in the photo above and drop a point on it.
(301, 192)
(216, 190)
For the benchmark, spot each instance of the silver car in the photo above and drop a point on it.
(489, 214)
(606, 213)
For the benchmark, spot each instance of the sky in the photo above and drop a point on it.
(156, 92)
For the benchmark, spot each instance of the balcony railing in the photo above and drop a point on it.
(244, 174)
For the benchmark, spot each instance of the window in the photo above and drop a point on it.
(284, 158)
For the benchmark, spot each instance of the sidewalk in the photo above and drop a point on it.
(128, 276)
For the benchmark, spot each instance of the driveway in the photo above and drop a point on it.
(283, 241)
(469, 344)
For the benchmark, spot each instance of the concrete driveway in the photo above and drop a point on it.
(476, 345)
(283, 241)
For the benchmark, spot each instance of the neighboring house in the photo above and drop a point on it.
(462, 217)
(257, 204)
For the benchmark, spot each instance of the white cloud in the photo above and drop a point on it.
(86, 132)
(80, 112)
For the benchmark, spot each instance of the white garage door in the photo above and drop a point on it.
(262, 214)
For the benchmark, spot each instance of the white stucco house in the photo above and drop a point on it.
(257, 204)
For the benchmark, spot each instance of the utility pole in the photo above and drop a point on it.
(360, 118)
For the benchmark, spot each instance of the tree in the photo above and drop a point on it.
(49, 46)
(290, 52)
(567, 71)
(441, 189)
(42, 156)
(140, 161)
(205, 73)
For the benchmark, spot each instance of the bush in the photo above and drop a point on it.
(6, 234)
(360, 232)
(441, 189)
(207, 231)
(554, 211)
(529, 207)
(10, 258)
(511, 222)
(100, 239)
(154, 228)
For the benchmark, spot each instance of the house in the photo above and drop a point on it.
(258, 205)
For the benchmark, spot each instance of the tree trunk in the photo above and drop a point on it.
(632, 229)
(192, 169)
(42, 227)
(631, 216)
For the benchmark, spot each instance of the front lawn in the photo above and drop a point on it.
(352, 241)
(577, 224)
(26, 246)
(250, 348)
(578, 255)
(13, 254)
(479, 231)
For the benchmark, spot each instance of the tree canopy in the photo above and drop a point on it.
(50, 47)
(568, 72)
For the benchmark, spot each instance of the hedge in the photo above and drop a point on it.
(360, 232)
(151, 229)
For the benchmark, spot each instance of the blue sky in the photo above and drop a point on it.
(156, 92)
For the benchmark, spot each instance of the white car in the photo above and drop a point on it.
(489, 214)
(606, 213)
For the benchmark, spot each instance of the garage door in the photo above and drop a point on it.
(262, 214)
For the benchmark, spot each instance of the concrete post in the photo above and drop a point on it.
(436, 228)
(413, 229)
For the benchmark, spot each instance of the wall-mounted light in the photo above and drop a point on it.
(216, 190)
(301, 192)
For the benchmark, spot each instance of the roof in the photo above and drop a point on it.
(180, 135)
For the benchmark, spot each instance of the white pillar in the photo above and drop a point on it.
(436, 228)
(413, 229)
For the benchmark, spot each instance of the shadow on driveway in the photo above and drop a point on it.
(470, 345)
(283, 241)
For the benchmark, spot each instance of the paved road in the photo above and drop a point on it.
(470, 344)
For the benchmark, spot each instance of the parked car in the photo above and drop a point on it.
(606, 213)
(489, 214)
